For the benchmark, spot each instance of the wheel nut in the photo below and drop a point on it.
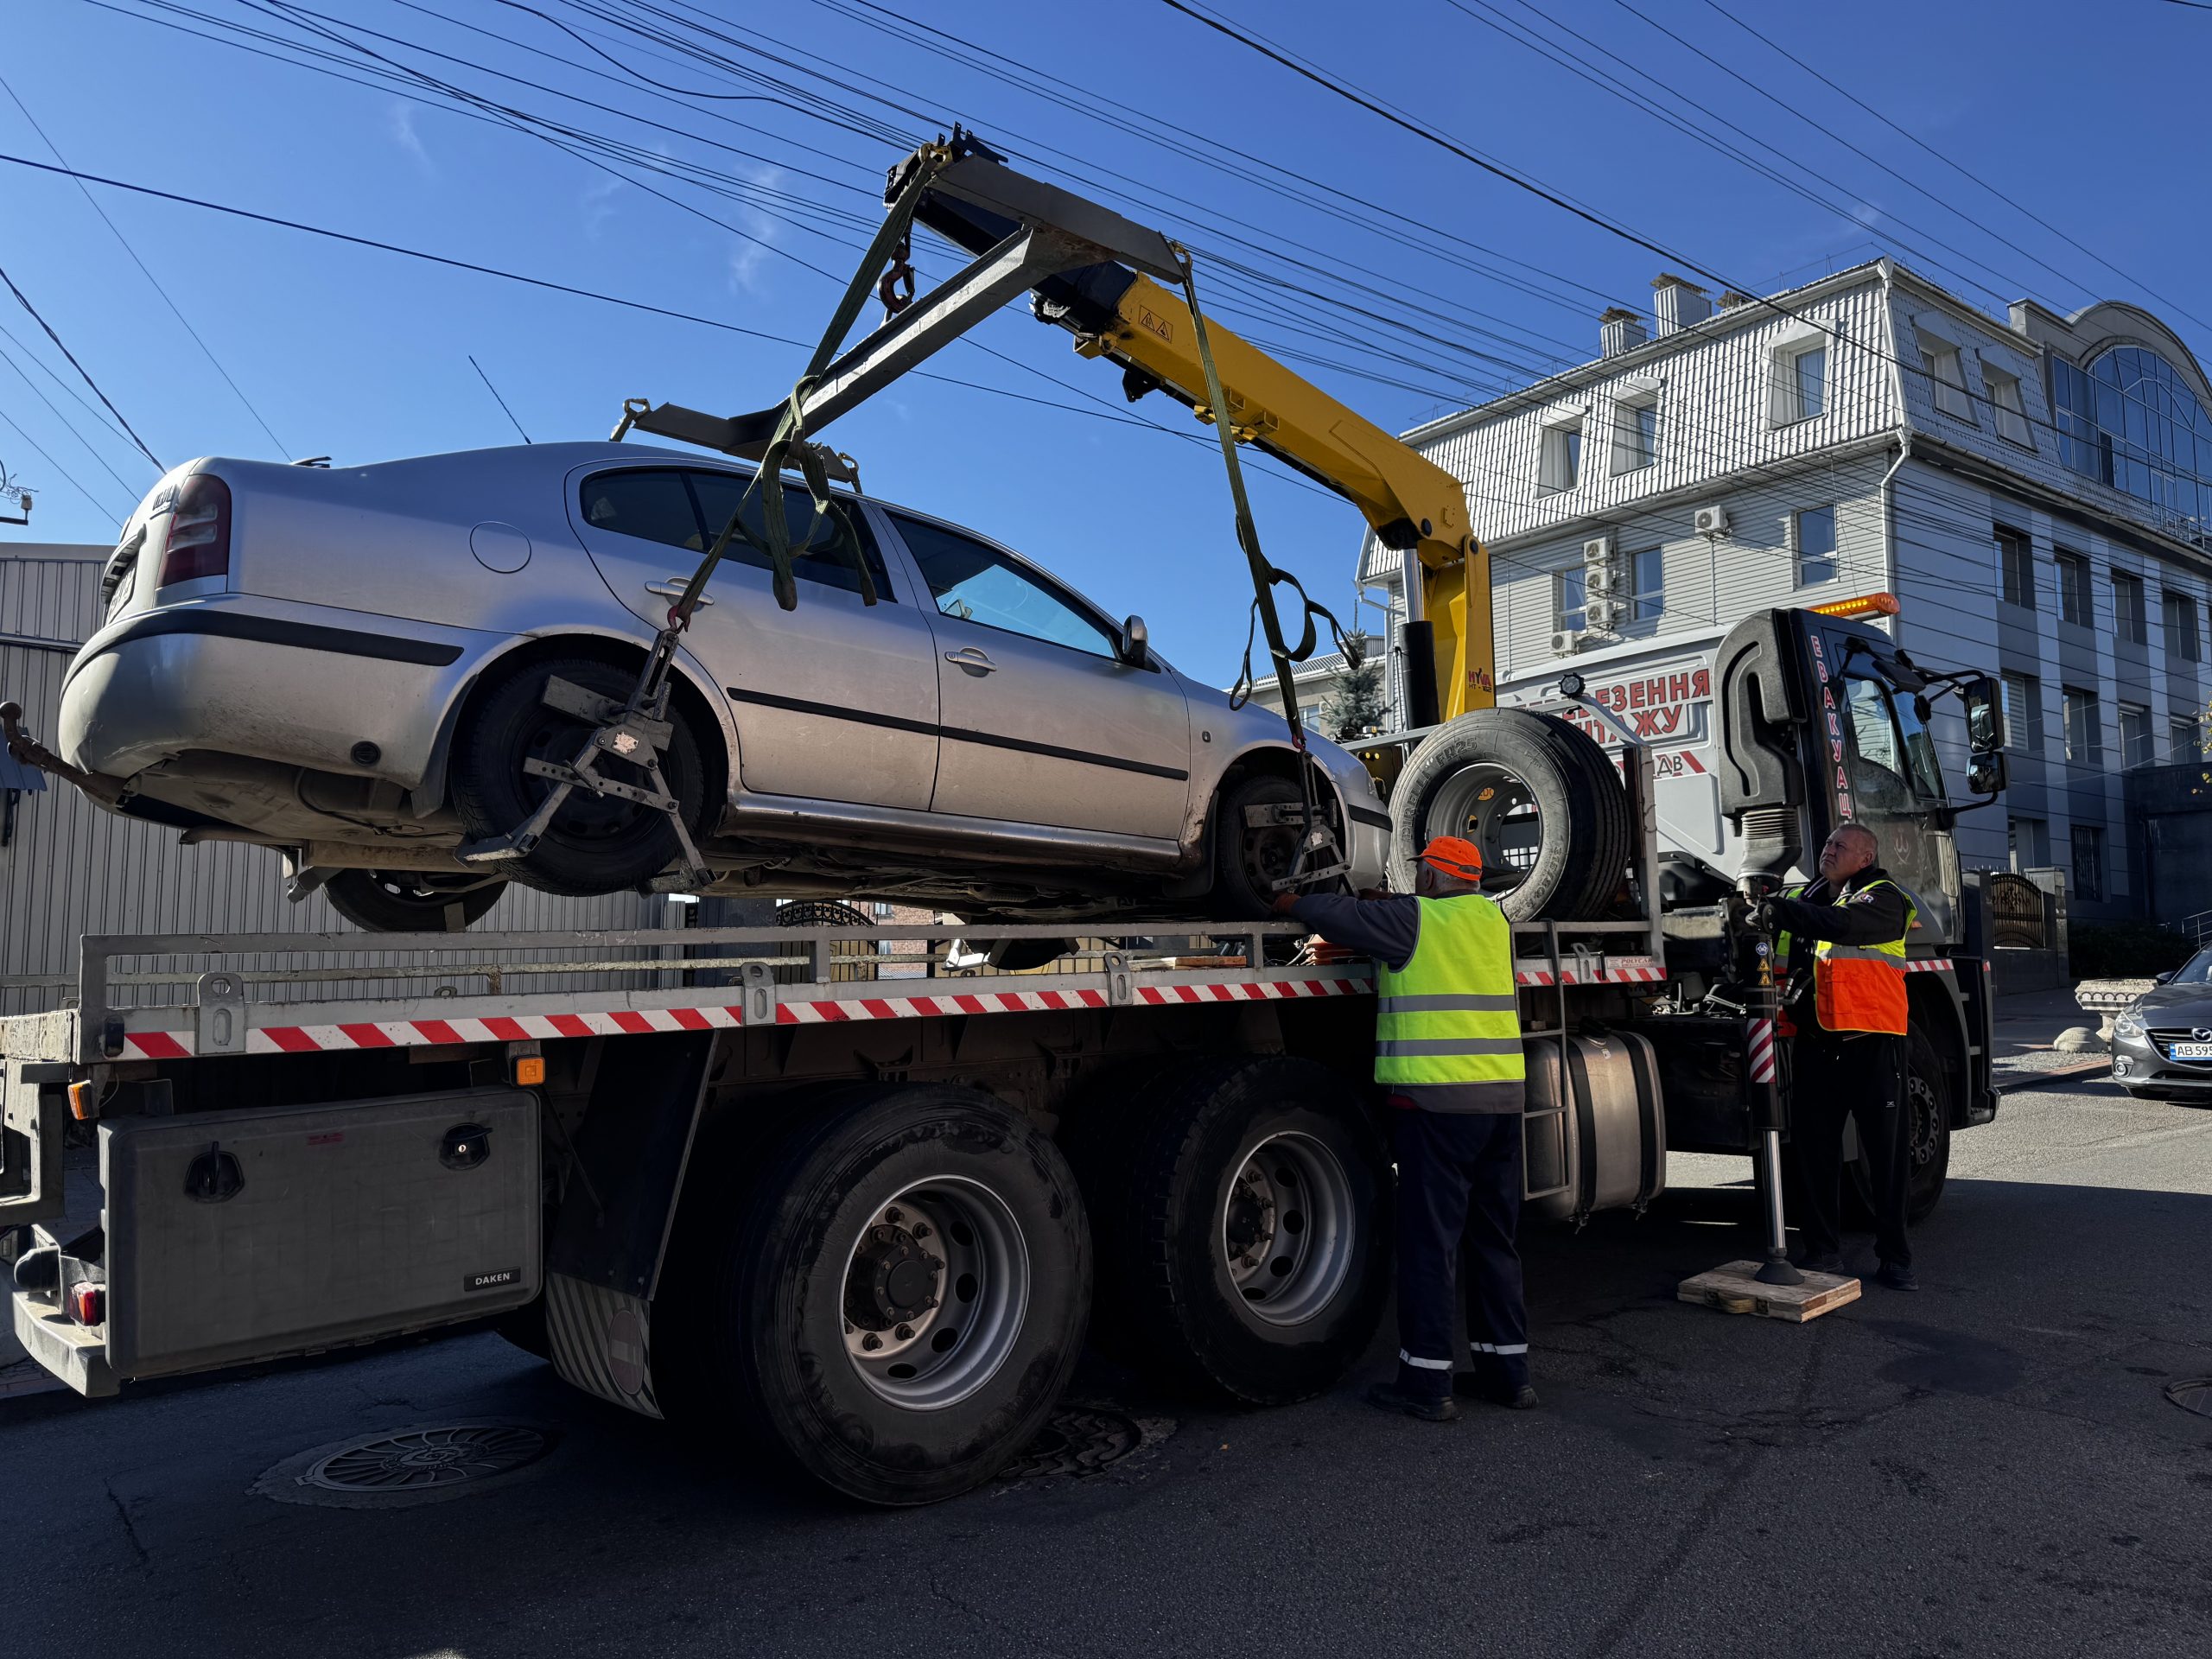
(905, 1333)
(893, 1215)
(871, 1342)
(921, 1229)
(885, 1236)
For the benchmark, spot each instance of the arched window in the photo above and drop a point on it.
(2131, 422)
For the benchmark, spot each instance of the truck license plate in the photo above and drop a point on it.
(2192, 1050)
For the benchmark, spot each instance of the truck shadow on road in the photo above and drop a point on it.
(2051, 1320)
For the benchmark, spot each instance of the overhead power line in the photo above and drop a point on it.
(117, 232)
(71, 356)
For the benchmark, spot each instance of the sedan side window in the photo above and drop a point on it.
(825, 556)
(653, 505)
(976, 583)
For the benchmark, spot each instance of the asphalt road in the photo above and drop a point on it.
(1988, 1467)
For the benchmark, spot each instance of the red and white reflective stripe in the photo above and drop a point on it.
(1254, 991)
(1762, 1048)
(1930, 965)
(409, 1033)
(827, 1010)
(1616, 970)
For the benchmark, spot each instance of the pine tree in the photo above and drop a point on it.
(1354, 706)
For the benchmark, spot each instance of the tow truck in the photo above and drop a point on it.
(852, 1214)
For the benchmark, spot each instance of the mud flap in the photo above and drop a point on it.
(603, 1342)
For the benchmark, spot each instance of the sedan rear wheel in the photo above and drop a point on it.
(595, 843)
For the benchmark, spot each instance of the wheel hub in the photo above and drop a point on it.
(1287, 1228)
(893, 1288)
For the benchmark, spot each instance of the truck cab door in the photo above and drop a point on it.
(834, 701)
(1887, 778)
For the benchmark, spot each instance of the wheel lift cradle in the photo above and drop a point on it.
(281, 1098)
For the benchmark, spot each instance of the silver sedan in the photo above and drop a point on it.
(351, 664)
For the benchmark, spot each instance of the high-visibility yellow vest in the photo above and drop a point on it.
(1858, 987)
(1451, 1014)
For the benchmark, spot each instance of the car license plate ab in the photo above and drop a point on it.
(2192, 1050)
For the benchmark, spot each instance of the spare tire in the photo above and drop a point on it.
(1538, 795)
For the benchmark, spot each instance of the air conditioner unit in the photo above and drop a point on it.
(1600, 613)
(1565, 643)
(1711, 521)
(1599, 550)
(1600, 579)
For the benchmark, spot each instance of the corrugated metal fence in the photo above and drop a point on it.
(69, 869)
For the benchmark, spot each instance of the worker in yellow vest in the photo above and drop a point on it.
(1842, 941)
(1447, 1048)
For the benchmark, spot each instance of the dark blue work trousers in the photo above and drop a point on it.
(1459, 1203)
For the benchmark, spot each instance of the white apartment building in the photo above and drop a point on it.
(2032, 489)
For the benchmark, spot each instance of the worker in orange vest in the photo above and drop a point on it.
(1842, 941)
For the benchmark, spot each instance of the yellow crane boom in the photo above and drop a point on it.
(1099, 276)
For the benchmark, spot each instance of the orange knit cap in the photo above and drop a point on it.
(1454, 856)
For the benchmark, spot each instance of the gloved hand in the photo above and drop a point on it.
(1285, 902)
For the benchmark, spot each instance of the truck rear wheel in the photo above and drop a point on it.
(1243, 1219)
(904, 1299)
(1540, 798)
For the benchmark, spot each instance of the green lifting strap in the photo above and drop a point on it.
(790, 437)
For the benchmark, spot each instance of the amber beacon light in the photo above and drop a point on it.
(1864, 605)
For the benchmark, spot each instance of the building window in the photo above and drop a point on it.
(2027, 842)
(1561, 463)
(2016, 561)
(2178, 611)
(2128, 620)
(2074, 604)
(1570, 598)
(1801, 384)
(1939, 361)
(2130, 421)
(1636, 433)
(2089, 862)
(2135, 748)
(1650, 599)
(2184, 737)
(2024, 713)
(2085, 743)
(2005, 401)
(1815, 530)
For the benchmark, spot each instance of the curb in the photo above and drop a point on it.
(2101, 1068)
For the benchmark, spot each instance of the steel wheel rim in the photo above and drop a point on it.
(954, 1277)
(1925, 1125)
(1285, 1230)
(1492, 806)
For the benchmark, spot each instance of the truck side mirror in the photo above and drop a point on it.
(1135, 638)
(1985, 715)
(1985, 774)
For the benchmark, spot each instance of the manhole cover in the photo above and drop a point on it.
(401, 1467)
(2196, 1396)
(1079, 1439)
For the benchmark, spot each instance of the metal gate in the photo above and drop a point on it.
(2019, 912)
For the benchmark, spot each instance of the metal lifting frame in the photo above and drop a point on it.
(1053, 234)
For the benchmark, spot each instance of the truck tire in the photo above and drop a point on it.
(411, 901)
(1928, 1092)
(1243, 1216)
(929, 1210)
(595, 844)
(1537, 795)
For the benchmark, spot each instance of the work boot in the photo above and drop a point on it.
(1897, 1276)
(1514, 1396)
(1389, 1396)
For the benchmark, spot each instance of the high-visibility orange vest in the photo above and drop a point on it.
(1861, 987)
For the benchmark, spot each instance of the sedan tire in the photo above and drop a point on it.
(411, 901)
(595, 844)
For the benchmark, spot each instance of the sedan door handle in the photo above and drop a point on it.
(672, 588)
(969, 656)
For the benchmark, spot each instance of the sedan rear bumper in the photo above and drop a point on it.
(298, 685)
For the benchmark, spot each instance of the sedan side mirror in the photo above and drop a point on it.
(1134, 640)
(2160, 979)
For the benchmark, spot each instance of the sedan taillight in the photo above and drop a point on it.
(199, 531)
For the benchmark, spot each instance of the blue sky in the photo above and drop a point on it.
(363, 355)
